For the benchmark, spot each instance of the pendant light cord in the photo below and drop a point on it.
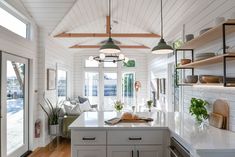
(110, 19)
(161, 22)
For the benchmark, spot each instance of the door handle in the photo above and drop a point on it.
(138, 153)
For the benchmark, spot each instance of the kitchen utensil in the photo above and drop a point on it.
(189, 37)
(216, 120)
(204, 30)
(192, 78)
(219, 20)
(210, 79)
(185, 61)
(221, 107)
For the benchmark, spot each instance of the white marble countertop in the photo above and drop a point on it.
(193, 137)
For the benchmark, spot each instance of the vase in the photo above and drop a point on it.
(54, 130)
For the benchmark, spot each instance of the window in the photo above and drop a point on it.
(128, 80)
(12, 23)
(92, 63)
(92, 87)
(110, 64)
(62, 84)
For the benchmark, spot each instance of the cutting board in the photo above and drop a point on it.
(216, 120)
(221, 107)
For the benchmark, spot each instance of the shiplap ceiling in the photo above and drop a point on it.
(48, 13)
(128, 16)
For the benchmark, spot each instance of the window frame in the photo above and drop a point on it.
(61, 69)
(11, 10)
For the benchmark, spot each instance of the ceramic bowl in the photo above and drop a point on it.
(192, 78)
(219, 20)
(189, 37)
(204, 30)
(185, 61)
(210, 79)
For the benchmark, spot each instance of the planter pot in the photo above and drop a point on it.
(54, 130)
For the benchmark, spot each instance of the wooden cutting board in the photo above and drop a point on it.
(216, 120)
(221, 107)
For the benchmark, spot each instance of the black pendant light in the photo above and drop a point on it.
(162, 47)
(109, 46)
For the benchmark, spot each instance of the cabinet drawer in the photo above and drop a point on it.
(88, 137)
(135, 137)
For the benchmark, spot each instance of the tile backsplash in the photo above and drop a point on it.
(210, 94)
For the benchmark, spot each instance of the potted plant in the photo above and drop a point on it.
(198, 109)
(52, 111)
(149, 105)
(118, 105)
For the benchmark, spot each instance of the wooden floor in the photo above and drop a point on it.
(60, 148)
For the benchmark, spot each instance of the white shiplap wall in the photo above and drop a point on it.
(140, 70)
(210, 93)
(16, 45)
(53, 56)
(158, 67)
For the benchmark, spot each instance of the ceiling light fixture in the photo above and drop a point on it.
(109, 47)
(109, 58)
(162, 47)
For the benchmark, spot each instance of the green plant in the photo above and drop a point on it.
(118, 105)
(198, 108)
(149, 103)
(52, 111)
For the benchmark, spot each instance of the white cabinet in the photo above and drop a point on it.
(118, 143)
(88, 151)
(149, 151)
(134, 151)
(120, 151)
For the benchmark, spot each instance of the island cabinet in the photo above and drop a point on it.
(119, 143)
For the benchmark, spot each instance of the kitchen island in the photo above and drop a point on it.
(91, 137)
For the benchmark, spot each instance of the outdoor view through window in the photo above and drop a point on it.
(15, 105)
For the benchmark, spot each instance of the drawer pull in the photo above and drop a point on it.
(88, 138)
(138, 153)
(132, 153)
(135, 138)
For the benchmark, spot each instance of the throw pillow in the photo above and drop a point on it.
(72, 109)
(76, 110)
(81, 99)
(86, 106)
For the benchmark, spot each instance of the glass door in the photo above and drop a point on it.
(14, 105)
(128, 80)
(91, 90)
(110, 90)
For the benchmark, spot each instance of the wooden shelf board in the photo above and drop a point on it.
(208, 61)
(210, 35)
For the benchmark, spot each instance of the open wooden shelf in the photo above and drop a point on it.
(208, 61)
(210, 35)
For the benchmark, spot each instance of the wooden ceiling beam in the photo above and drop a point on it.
(121, 35)
(121, 46)
(108, 25)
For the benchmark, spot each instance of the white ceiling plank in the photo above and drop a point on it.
(130, 16)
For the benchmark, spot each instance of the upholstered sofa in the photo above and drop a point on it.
(67, 117)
